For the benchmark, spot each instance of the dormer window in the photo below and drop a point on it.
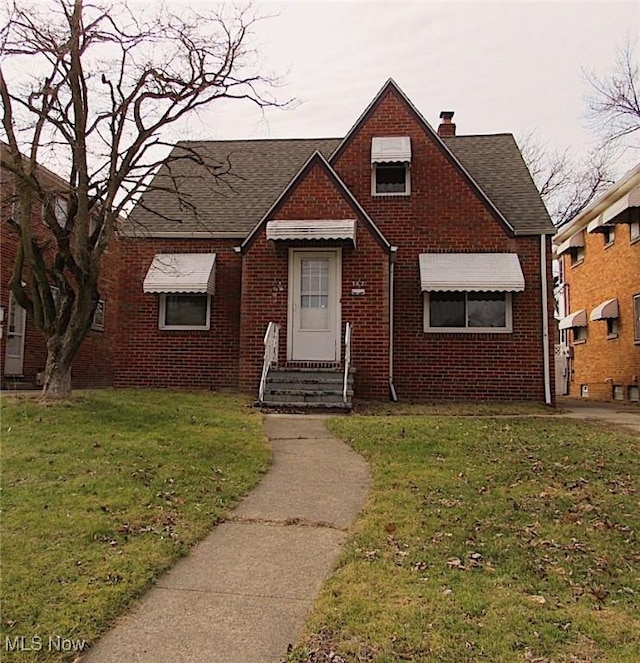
(390, 166)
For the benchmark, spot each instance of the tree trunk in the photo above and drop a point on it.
(57, 372)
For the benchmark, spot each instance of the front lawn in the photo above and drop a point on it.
(101, 495)
(498, 540)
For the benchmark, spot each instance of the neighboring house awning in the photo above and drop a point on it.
(181, 272)
(471, 272)
(608, 309)
(597, 225)
(577, 319)
(391, 149)
(573, 242)
(615, 213)
(312, 229)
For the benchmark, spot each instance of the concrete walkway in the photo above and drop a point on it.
(242, 594)
(620, 414)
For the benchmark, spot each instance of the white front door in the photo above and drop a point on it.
(314, 305)
(16, 325)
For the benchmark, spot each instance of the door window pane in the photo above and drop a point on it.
(314, 294)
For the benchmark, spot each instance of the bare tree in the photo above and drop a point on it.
(97, 86)
(567, 185)
(614, 102)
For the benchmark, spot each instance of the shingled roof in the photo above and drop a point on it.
(254, 173)
(257, 171)
(496, 164)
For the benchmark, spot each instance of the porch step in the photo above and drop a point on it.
(307, 388)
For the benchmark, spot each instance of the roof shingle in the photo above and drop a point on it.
(257, 171)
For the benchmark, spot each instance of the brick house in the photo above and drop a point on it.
(599, 296)
(23, 349)
(398, 261)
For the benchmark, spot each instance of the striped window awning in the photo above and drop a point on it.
(471, 272)
(309, 229)
(598, 225)
(181, 273)
(608, 309)
(573, 242)
(577, 319)
(615, 213)
(391, 149)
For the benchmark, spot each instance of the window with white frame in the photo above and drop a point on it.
(468, 311)
(185, 311)
(579, 334)
(390, 165)
(576, 255)
(60, 209)
(391, 178)
(634, 231)
(608, 235)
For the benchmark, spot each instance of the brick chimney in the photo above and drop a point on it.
(447, 127)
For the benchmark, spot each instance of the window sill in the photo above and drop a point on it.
(634, 240)
(467, 330)
(611, 337)
(577, 263)
(403, 194)
(609, 244)
(180, 328)
(580, 342)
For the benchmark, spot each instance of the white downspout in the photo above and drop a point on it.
(545, 319)
(392, 266)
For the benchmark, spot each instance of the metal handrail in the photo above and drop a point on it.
(347, 360)
(271, 344)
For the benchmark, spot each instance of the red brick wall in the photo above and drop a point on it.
(265, 287)
(149, 357)
(605, 273)
(93, 365)
(444, 214)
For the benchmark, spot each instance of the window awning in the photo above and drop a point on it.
(471, 272)
(573, 242)
(181, 272)
(391, 149)
(608, 309)
(597, 225)
(615, 213)
(312, 229)
(577, 319)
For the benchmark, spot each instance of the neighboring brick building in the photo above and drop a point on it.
(23, 349)
(432, 248)
(599, 254)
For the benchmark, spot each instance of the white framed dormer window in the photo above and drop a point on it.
(391, 166)
(185, 311)
(472, 312)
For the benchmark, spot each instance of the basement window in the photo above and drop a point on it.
(185, 312)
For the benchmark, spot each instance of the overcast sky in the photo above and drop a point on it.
(502, 67)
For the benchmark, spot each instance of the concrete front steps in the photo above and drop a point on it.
(308, 388)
